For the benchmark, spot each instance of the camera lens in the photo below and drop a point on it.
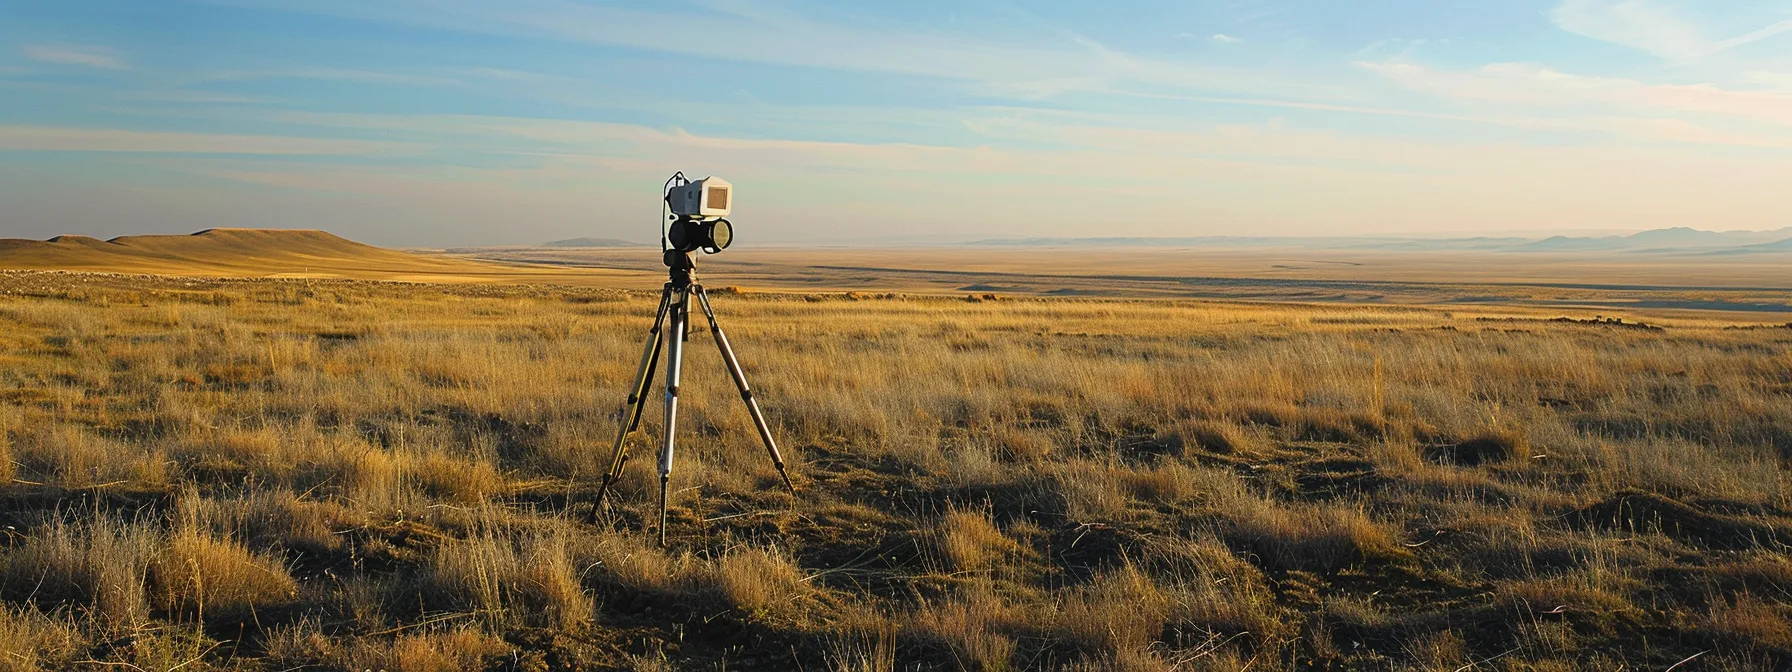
(721, 234)
(690, 235)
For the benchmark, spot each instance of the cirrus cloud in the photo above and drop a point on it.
(1533, 85)
(54, 139)
(1662, 29)
(75, 54)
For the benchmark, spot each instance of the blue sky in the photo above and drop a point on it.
(463, 122)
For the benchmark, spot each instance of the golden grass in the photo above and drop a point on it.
(527, 578)
(969, 541)
(362, 476)
(32, 640)
(758, 581)
(444, 650)
(99, 565)
(208, 576)
(973, 630)
(875, 651)
(1310, 537)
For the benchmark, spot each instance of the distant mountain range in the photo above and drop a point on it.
(1675, 240)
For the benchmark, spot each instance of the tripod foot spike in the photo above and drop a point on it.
(664, 481)
(786, 475)
(598, 503)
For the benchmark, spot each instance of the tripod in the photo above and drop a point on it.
(675, 305)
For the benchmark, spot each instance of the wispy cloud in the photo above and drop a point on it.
(1750, 38)
(364, 76)
(1393, 48)
(1652, 26)
(1540, 86)
(1226, 39)
(507, 74)
(53, 139)
(74, 54)
(189, 97)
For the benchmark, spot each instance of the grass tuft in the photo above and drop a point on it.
(99, 564)
(758, 581)
(526, 578)
(200, 574)
(1310, 537)
(969, 541)
(31, 640)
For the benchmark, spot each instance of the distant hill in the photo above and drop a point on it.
(1776, 246)
(1682, 235)
(593, 242)
(235, 253)
(1572, 244)
(1679, 238)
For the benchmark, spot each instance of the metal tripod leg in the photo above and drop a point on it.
(637, 400)
(675, 338)
(740, 381)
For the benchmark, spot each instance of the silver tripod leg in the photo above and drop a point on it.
(675, 338)
(637, 401)
(740, 381)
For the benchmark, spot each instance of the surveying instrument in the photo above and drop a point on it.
(696, 212)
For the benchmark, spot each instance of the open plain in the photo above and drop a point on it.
(315, 473)
(1743, 287)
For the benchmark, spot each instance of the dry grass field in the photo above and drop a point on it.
(349, 475)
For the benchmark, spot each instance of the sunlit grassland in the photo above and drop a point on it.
(351, 475)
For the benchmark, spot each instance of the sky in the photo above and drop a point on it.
(471, 122)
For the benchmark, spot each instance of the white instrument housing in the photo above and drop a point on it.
(706, 198)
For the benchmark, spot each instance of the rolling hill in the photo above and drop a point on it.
(268, 253)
